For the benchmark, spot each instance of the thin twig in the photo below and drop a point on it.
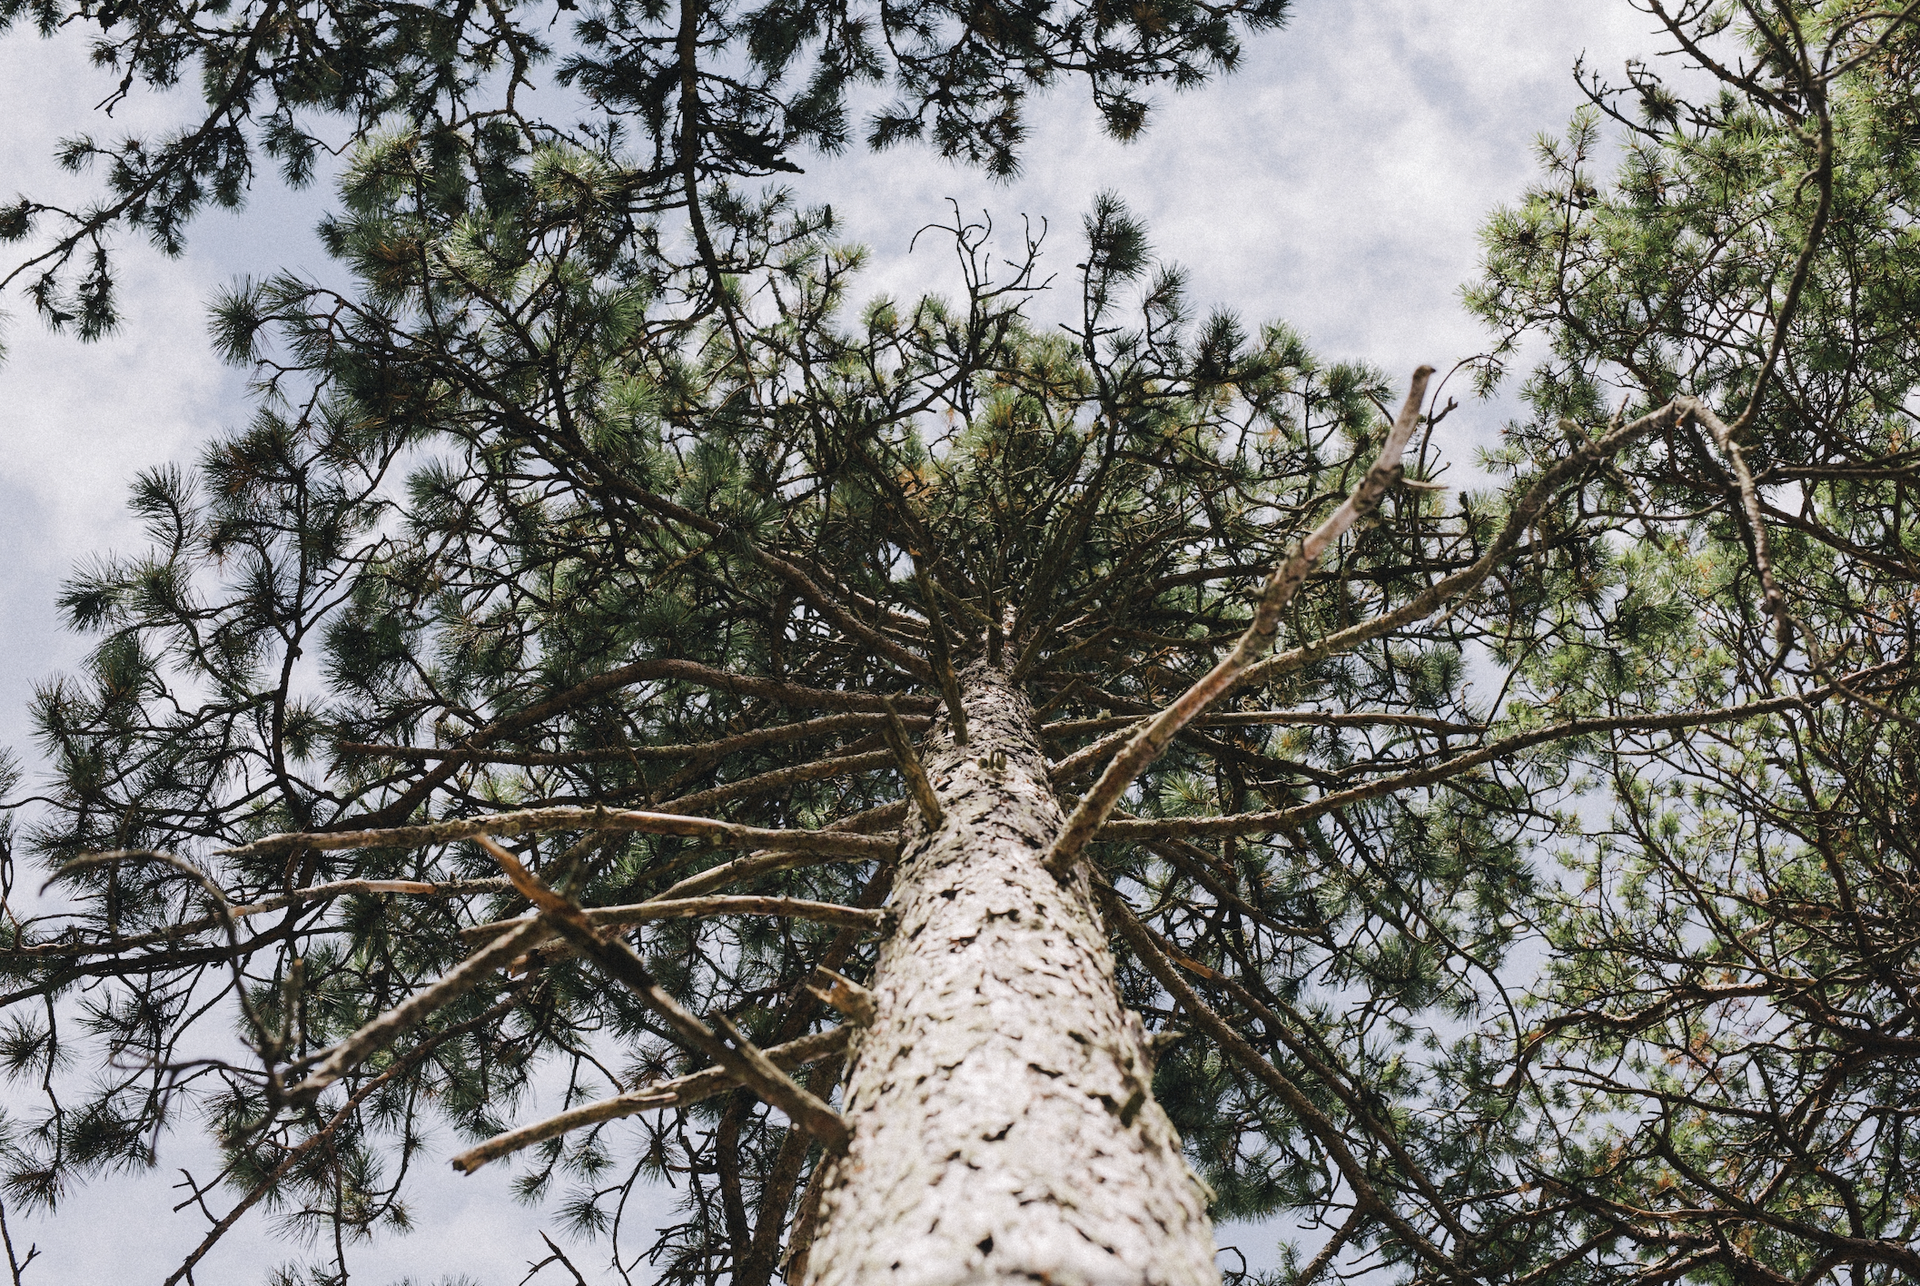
(558, 1256)
(15, 1265)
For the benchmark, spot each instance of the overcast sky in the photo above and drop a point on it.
(1337, 182)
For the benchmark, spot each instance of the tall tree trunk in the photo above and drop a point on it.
(1003, 1120)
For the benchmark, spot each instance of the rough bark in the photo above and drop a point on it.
(1003, 1119)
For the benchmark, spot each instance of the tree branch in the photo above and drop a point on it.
(846, 917)
(901, 746)
(1278, 819)
(1152, 741)
(680, 1092)
(742, 1061)
(531, 820)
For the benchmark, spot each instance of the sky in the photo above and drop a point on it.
(1337, 181)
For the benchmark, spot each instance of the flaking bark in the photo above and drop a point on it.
(1003, 1118)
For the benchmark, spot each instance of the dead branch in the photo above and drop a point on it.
(1152, 741)
(846, 917)
(679, 1092)
(743, 1062)
(779, 779)
(528, 821)
(1252, 718)
(826, 725)
(900, 744)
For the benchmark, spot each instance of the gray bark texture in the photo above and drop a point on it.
(1004, 1126)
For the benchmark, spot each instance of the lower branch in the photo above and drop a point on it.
(1324, 1131)
(531, 820)
(743, 1062)
(402, 1065)
(679, 1092)
(846, 917)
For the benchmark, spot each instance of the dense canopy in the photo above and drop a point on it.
(1541, 908)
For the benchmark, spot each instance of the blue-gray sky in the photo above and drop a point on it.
(1336, 182)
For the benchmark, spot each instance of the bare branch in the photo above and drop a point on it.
(745, 1063)
(558, 1256)
(752, 866)
(1152, 741)
(846, 917)
(679, 1092)
(15, 1264)
(1254, 718)
(898, 741)
(720, 834)
(778, 734)
(779, 779)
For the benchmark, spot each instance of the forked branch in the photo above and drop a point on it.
(737, 1055)
(531, 820)
(679, 1092)
(1152, 740)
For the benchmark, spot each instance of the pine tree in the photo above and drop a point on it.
(983, 796)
